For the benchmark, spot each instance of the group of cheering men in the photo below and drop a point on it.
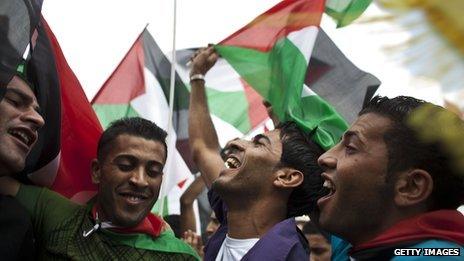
(380, 189)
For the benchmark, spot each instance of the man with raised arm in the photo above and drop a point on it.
(259, 188)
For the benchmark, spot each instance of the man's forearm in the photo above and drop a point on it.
(201, 127)
(203, 139)
(192, 192)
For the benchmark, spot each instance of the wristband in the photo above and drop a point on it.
(197, 76)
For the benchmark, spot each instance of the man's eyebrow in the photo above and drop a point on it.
(125, 156)
(157, 164)
(134, 159)
(262, 136)
(356, 134)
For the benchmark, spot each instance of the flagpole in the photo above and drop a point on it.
(171, 100)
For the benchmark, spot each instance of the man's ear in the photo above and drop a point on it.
(413, 187)
(288, 178)
(96, 171)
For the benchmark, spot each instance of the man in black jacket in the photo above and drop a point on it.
(19, 122)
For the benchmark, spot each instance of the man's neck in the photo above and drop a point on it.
(393, 218)
(254, 220)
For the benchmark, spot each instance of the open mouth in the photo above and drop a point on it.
(232, 163)
(23, 135)
(328, 190)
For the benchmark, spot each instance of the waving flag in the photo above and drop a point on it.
(272, 54)
(68, 142)
(78, 126)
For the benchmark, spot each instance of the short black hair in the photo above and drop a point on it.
(300, 152)
(407, 150)
(134, 126)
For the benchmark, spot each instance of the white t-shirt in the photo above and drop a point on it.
(234, 249)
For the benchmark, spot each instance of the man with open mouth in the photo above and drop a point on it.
(259, 186)
(19, 122)
(117, 224)
(395, 185)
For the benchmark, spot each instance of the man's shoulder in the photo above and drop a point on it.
(281, 242)
(39, 199)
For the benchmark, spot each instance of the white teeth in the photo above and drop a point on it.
(132, 198)
(25, 138)
(232, 163)
(328, 184)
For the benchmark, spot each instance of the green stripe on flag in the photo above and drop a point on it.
(216, 102)
(219, 105)
(346, 11)
(278, 76)
(108, 113)
(157, 207)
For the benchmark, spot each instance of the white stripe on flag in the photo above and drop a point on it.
(153, 106)
(225, 130)
(304, 39)
(307, 91)
(223, 77)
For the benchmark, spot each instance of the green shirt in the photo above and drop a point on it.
(59, 224)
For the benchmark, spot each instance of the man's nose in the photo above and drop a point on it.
(139, 177)
(327, 160)
(32, 116)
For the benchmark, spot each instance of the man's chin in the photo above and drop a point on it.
(125, 218)
(11, 167)
(128, 221)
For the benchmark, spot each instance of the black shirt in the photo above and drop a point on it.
(16, 237)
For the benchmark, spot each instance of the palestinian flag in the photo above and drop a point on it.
(345, 11)
(330, 74)
(235, 107)
(67, 142)
(272, 54)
